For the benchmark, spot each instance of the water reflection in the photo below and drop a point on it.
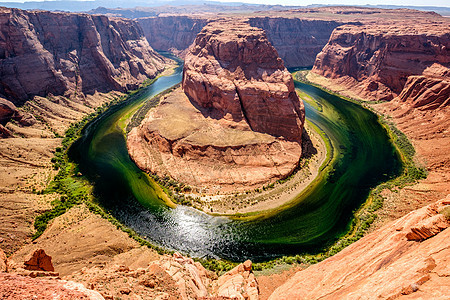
(316, 220)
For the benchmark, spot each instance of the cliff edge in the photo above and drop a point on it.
(71, 54)
(406, 257)
(383, 61)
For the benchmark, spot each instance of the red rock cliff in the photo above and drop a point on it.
(172, 33)
(297, 41)
(44, 52)
(377, 60)
(234, 71)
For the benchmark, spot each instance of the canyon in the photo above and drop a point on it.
(298, 35)
(71, 54)
(238, 124)
(401, 69)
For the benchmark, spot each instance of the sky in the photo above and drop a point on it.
(443, 3)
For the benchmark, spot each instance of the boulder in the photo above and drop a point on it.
(39, 261)
(427, 228)
(238, 283)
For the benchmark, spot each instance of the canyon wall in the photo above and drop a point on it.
(297, 41)
(377, 60)
(63, 53)
(172, 33)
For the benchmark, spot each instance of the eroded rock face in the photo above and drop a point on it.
(377, 60)
(238, 283)
(3, 261)
(385, 264)
(9, 111)
(297, 41)
(14, 286)
(429, 91)
(234, 71)
(240, 124)
(63, 53)
(172, 33)
(174, 277)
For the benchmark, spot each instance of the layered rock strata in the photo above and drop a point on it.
(63, 53)
(172, 33)
(238, 123)
(386, 264)
(8, 111)
(233, 71)
(297, 41)
(383, 61)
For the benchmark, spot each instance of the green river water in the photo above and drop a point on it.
(361, 157)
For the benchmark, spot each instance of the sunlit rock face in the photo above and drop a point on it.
(232, 70)
(401, 259)
(71, 54)
(379, 61)
(235, 124)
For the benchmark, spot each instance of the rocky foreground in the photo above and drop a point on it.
(406, 257)
(238, 123)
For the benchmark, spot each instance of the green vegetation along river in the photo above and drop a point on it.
(362, 157)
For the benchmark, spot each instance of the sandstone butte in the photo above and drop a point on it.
(238, 123)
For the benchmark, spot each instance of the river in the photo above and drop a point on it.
(362, 158)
